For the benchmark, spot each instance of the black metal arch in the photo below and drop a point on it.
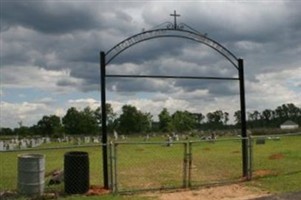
(170, 33)
(174, 31)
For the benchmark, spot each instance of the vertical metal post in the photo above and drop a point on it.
(110, 165)
(104, 119)
(189, 163)
(243, 118)
(185, 166)
(115, 187)
(250, 157)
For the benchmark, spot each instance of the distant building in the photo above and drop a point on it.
(289, 125)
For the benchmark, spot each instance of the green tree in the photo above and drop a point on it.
(215, 119)
(111, 117)
(199, 117)
(133, 121)
(266, 117)
(237, 117)
(49, 125)
(6, 131)
(71, 121)
(226, 118)
(293, 112)
(22, 131)
(80, 122)
(183, 121)
(88, 122)
(165, 121)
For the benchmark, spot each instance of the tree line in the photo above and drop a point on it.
(131, 120)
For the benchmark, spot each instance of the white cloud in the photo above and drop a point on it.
(35, 77)
(274, 89)
(82, 103)
(28, 113)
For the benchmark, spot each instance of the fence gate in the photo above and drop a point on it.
(145, 166)
(138, 166)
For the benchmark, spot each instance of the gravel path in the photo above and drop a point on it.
(289, 196)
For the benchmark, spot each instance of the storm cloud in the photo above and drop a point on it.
(54, 46)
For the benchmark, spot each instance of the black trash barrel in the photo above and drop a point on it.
(76, 172)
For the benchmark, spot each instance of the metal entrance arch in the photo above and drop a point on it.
(175, 31)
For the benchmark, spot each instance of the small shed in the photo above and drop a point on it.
(289, 125)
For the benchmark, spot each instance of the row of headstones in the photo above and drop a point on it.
(173, 136)
(15, 144)
(78, 140)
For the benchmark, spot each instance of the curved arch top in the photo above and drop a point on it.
(167, 32)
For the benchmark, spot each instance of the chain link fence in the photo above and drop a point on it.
(138, 166)
(277, 158)
(143, 166)
(161, 165)
(215, 162)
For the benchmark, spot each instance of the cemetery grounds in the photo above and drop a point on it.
(137, 165)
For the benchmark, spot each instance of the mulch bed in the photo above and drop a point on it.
(276, 156)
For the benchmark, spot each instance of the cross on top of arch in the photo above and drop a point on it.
(175, 15)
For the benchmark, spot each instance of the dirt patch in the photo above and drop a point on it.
(235, 151)
(226, 192)
(206, 149)
(97, 190)
(276, 156)
(263, 172)
(139, 149)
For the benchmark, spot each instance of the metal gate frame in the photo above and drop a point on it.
(187, 164)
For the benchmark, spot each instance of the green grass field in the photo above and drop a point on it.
(276, 165)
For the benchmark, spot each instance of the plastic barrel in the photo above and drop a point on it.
(31, 173)
(76, 172)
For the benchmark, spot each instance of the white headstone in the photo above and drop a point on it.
(146, 138)
(79, 141)
(1, 146)
(176, 137)
(23, 144)
(115, 135)
(95, 140)
(87, 139)
(33, 143)
(11, 146)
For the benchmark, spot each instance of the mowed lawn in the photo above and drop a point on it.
(276, 164)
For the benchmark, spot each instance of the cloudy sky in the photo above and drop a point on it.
(50, 56)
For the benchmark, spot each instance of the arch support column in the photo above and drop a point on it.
(245, 159)
(104, 120)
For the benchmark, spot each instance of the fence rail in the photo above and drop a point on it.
(153, 165)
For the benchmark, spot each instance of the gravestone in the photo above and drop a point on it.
(33, 142)
(115, 135)
(79, 141)
(87, 139)
(95, 140)
(1, 146)
(260, 140)
(169, 141)
(23, 144)
(11, 146)
(146, 138)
